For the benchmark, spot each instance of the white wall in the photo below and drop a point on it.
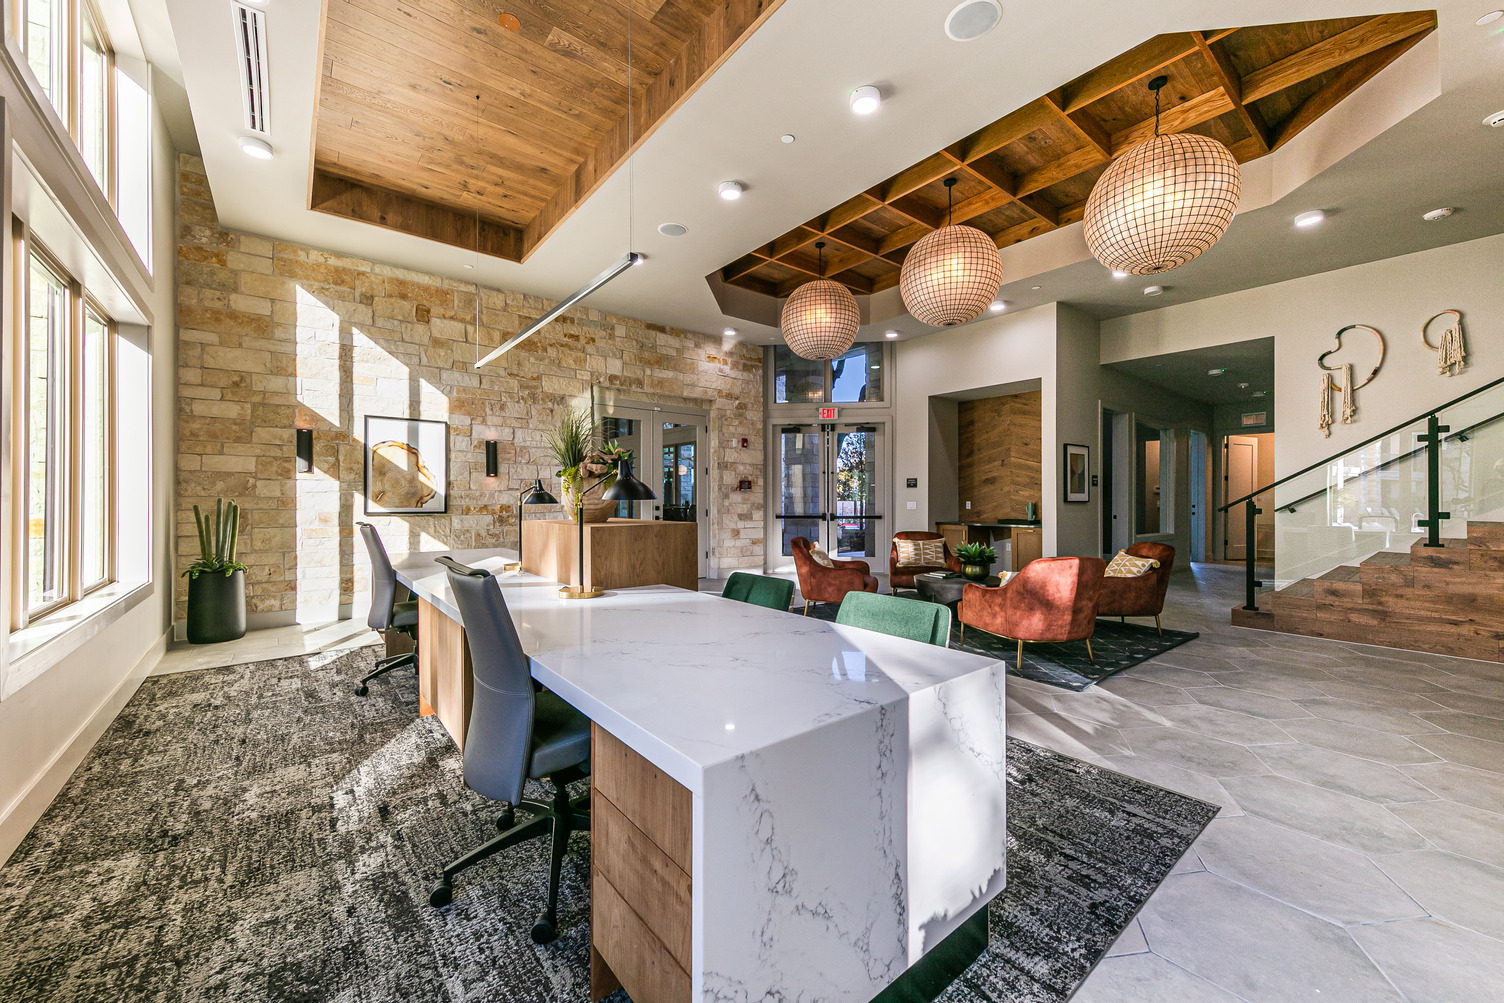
(48, 725)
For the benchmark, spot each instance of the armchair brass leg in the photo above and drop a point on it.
(1158, 626)
(806, 607)
(1089, 656)
(963, 633)
(1122, 619)
(1020, 664)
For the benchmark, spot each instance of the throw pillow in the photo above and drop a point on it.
(920, 553)
(821, 557)
(1125, 565)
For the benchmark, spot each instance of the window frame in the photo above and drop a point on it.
(885, 378)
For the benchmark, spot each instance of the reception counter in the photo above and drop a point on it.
(619, 553)
(782, 808)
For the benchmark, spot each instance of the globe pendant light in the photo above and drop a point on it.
(820, 318)
(952, 274)
(1163, 202)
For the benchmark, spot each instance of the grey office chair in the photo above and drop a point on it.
(389, 612)
(516, 733)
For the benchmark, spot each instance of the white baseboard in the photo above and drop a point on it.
(25, 810)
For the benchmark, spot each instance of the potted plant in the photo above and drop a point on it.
(976, 560)
(578, 452)
(216, 581)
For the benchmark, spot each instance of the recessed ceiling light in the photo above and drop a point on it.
(998, 306)
(1436, 214)
(1495, 120)
(787, 137)
(729, 332)
(732, 190)
(1490, 17)
(1310, 218)
(1118, 273)
(874, 367)
(253, 147)
(672, 229)
(972, 19)
(1153, 290)
(1242, 386)
(891, 334)
(865, 99)
(1036, 288)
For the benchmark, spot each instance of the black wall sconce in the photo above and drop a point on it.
(491, 463)
(305, 450)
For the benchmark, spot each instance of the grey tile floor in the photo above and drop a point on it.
(1359, 854)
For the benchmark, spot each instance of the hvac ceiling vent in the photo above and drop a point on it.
(250, 43)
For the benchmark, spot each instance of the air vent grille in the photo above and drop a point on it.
(250, 43)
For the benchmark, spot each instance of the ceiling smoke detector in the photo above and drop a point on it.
(1311, 218)
(1153, 290)
(259, 149)
(892, 334)
(787, 137)
(672, 229)
(1436, 214)
(1490, 17)
(1217, 372)
(731, 190)
(1495, 120)
(866, 99)
(972, 19)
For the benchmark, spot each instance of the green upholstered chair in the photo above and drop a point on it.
(760, 590)
(918, 621)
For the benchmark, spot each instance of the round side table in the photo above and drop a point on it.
(947, 591)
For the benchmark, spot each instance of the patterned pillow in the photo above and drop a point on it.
(820, 556)
(1125, 565)
(920, 553)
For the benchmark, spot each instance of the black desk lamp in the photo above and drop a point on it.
(533, 494)
(624, 488)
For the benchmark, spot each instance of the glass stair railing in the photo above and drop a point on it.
(1417, 484)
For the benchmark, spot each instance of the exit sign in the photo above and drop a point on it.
(827, 414)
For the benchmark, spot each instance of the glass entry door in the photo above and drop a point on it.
(830, 480)
(672, 458)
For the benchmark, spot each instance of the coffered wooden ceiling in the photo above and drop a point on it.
(435, 119)
(1031, 171)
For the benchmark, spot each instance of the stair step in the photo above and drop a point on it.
(1438, 641)
(1303, 589)
(1451, 554)
(1485, 535)
(1387, 558)
(1341, 573)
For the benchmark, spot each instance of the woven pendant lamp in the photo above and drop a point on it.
(952, 274)
(820, 318)
(1163, 202)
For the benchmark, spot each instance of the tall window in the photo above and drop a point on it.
(47, 48)
(82, 91)
(67, 431)
(94, 100)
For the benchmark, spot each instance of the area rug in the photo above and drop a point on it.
(259, 833)
(1116, 646)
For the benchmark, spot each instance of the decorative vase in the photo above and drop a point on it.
(974, 572)
(595, 510)
(216, 607)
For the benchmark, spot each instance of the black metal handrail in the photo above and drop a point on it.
(1366, 442)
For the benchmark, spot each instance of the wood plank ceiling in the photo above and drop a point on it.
(435, 119)
(1254, 89)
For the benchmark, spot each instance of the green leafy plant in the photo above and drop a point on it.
(217, 540)
(976, 553)
(571, 444)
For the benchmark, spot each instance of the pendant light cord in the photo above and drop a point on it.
(1156, 85)
(631, 198)
(950, 201)
(820, 258)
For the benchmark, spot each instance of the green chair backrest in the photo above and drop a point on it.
(759, 590)
(918, 621)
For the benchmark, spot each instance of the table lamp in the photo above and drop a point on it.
(624, 488)
(533, 494)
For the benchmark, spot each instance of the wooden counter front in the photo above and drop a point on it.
(619, 553)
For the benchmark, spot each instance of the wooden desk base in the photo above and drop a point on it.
(445, 678)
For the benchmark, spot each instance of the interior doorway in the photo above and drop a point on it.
(1247, 465)
(1200, 448)
(671, 446)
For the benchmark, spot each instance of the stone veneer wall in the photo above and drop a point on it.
(276, 336)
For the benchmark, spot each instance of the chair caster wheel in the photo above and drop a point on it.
(361, 690)
(544, 932)
(442, 895)
(506, 820)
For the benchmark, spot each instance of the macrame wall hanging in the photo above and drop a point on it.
(1451, 351)
(1348, 389)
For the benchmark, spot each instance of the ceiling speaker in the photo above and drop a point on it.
(973, 19)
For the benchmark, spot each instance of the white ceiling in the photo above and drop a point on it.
(793, 76)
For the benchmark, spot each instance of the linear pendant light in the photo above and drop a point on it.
(630, 259)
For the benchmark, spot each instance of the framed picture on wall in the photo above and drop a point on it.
(407, 466)
(1077, 476)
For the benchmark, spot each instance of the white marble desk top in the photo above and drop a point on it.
(689, 679)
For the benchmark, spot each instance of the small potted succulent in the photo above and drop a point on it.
(216, 580)
(976, 560)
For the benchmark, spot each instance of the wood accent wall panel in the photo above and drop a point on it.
(641, 920)
(999, 442)
(445, 677)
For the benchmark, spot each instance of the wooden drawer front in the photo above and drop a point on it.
(654, 802)
(655, 888)
(639, 961)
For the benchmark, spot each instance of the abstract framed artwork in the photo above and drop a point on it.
(407, 466)
(1077, 478)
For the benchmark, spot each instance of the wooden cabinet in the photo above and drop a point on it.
(619, 553)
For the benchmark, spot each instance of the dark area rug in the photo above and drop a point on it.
(259, 833)
(1117, 646)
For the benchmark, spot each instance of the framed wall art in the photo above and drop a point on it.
(407, 466)
(1077, 473)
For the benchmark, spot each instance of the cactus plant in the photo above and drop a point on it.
(218, 539)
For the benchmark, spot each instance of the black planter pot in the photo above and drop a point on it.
(216, 607)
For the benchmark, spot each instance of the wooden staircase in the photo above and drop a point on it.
(1448, 599)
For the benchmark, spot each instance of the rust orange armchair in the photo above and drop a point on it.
(903, 578)
(817, 583)
(1051, 599)
(1141, 596)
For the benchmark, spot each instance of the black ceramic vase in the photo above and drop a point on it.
(216, 607)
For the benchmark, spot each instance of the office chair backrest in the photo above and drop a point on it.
(500, 731)
(918, 621)
(383, 580)
(759, 590)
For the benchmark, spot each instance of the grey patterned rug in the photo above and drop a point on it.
(258, 833)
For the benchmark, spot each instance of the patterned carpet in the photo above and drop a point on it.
(1116, 646)
(259, 833)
